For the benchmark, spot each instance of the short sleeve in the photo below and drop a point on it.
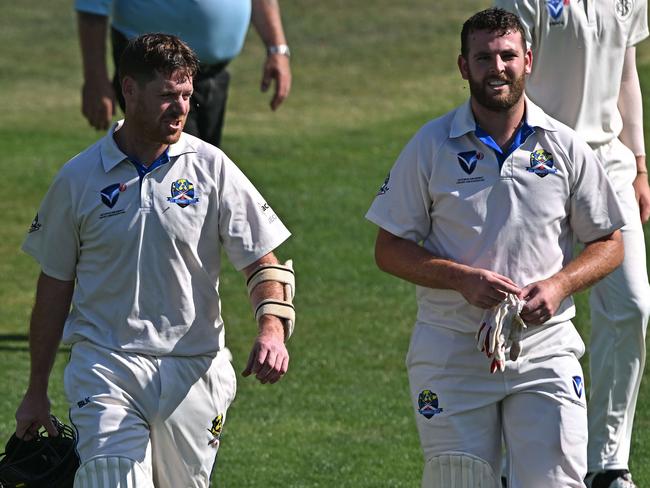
(248, 227)
(403, 202)
(53, 238)
(639, 27)
(595, 209)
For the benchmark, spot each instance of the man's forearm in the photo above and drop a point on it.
(53, 298)
(411, 262)
(267, 22)
(597, 260)
(93, 30)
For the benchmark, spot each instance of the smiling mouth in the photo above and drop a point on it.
(497, 83)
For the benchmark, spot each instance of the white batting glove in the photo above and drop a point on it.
(500, 327)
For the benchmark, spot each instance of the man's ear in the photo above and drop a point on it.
(462, 67)
(129, 87)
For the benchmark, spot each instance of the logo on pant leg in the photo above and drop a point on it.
(215, 430)
(578, 385)
(428, 403)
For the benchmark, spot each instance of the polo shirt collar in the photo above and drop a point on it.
(112, 155)
(464, 122)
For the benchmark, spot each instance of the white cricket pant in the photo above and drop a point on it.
(157, 411)
(620, 307)
(538, 404)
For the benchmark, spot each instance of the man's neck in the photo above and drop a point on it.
(500, 125)
(134, 146)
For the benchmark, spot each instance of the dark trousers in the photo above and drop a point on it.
(208, 102)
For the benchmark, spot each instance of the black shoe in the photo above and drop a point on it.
(613, 478)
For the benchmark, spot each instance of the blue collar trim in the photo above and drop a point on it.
(520, 137)
(143, 170)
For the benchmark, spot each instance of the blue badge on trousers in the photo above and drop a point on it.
(578, 385)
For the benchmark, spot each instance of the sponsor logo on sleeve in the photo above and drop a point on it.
(36, 225)
(384, 188)
(428, 404)
(183, 193)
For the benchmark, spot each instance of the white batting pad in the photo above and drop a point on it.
(458, 470)
(112, 472)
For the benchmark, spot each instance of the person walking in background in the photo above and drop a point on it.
(584, 74)
(214, 29)
(480, 211)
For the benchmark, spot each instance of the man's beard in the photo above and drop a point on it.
(501, 103)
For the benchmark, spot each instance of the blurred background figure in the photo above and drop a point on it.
(214, 29)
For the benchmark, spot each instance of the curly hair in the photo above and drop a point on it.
(492, 20)
(149, 54)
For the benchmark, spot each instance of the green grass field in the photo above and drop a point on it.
(367, 74)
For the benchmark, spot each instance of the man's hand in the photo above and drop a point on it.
(486, 289)
(276, 68)
(642, 192)
(98, 103)
(34, 412)
(269, 358)
(542, 298)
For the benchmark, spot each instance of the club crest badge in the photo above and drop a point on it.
(428, 404)
(541, 163)
(384, 188)
(111, 193)
(36, 225)
(468, 160)
(623, 9)
(183, 193)
(555, 8)
(578, 386)
(215, 430)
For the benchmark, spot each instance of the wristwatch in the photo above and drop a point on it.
(282, 49)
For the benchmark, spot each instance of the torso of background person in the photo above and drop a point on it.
(214, 29)
(578, 53)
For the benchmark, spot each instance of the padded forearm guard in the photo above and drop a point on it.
(283, 309)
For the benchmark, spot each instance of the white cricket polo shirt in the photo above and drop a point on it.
(578, 53)
(146, 254)
(446, 191)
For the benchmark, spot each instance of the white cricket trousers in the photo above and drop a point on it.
(537, 405)
(620, 307)
(162, 412)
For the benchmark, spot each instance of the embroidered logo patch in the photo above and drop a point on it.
(578, 385)
(468, 160)
(428, 404)
(215, 430)
(541, 163)
(384, 188)
(111, 193)
(183, 193)
(555, 8)
(623, 9)
(35, 225)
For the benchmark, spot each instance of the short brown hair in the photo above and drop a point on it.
(492, 20)
(146, 55)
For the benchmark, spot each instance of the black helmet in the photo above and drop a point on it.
(42, 462)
